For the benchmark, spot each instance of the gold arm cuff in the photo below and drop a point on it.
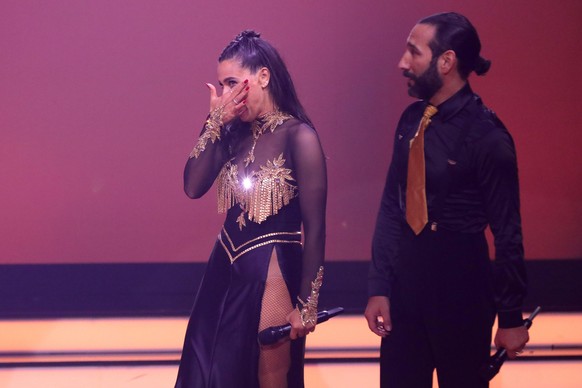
(212, 128)
(308, 310)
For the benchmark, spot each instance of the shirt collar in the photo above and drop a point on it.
(454, 104)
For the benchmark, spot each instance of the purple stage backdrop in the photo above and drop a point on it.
(101, 102)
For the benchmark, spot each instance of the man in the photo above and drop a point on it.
(433, 292)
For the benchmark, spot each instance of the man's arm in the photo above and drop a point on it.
(385, 250)
(500, 187)
(386, 235)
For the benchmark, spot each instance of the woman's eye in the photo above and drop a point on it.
(232, 84)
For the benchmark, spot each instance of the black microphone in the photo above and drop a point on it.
(273, 334)
(490, 370)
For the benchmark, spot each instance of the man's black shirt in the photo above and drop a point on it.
(484, 190)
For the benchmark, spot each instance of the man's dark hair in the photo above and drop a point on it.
(255, 53)
(455, 32)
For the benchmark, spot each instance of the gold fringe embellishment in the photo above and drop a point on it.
(260, 195)
(270, 191)
(227, 182)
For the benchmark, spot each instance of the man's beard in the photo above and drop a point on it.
(427, 84)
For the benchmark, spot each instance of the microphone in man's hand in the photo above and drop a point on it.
(273, 334)
(490, 370)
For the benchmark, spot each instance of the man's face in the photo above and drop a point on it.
(418, 65)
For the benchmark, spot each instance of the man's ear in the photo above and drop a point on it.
(448, 62)
(264, 77)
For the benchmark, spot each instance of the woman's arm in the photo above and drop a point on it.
(210, 152)
(309, 164)
(206, 159)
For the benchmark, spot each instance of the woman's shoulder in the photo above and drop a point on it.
(296, 127)
(302, 136)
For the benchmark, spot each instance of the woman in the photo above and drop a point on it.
(261, 149)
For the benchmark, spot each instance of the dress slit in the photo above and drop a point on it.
(274, 360)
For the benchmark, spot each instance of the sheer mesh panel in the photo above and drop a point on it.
(274, 360)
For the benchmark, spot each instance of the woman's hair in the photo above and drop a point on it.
(455, 32)
(255, 53)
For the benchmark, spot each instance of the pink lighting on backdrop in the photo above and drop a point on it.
(100, 104)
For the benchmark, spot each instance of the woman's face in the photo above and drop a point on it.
(258, 101)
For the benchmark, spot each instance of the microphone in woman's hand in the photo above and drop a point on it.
(273, 334)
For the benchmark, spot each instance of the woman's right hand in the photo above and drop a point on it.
(231, 102)
(298, 330)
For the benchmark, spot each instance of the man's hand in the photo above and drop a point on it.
(512, 340)
(378, 315)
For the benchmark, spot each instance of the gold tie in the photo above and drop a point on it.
(416, 210)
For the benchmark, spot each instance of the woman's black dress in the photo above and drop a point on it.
(261, 236)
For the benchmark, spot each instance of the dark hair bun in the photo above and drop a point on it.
(248, 34)
(482, 66)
